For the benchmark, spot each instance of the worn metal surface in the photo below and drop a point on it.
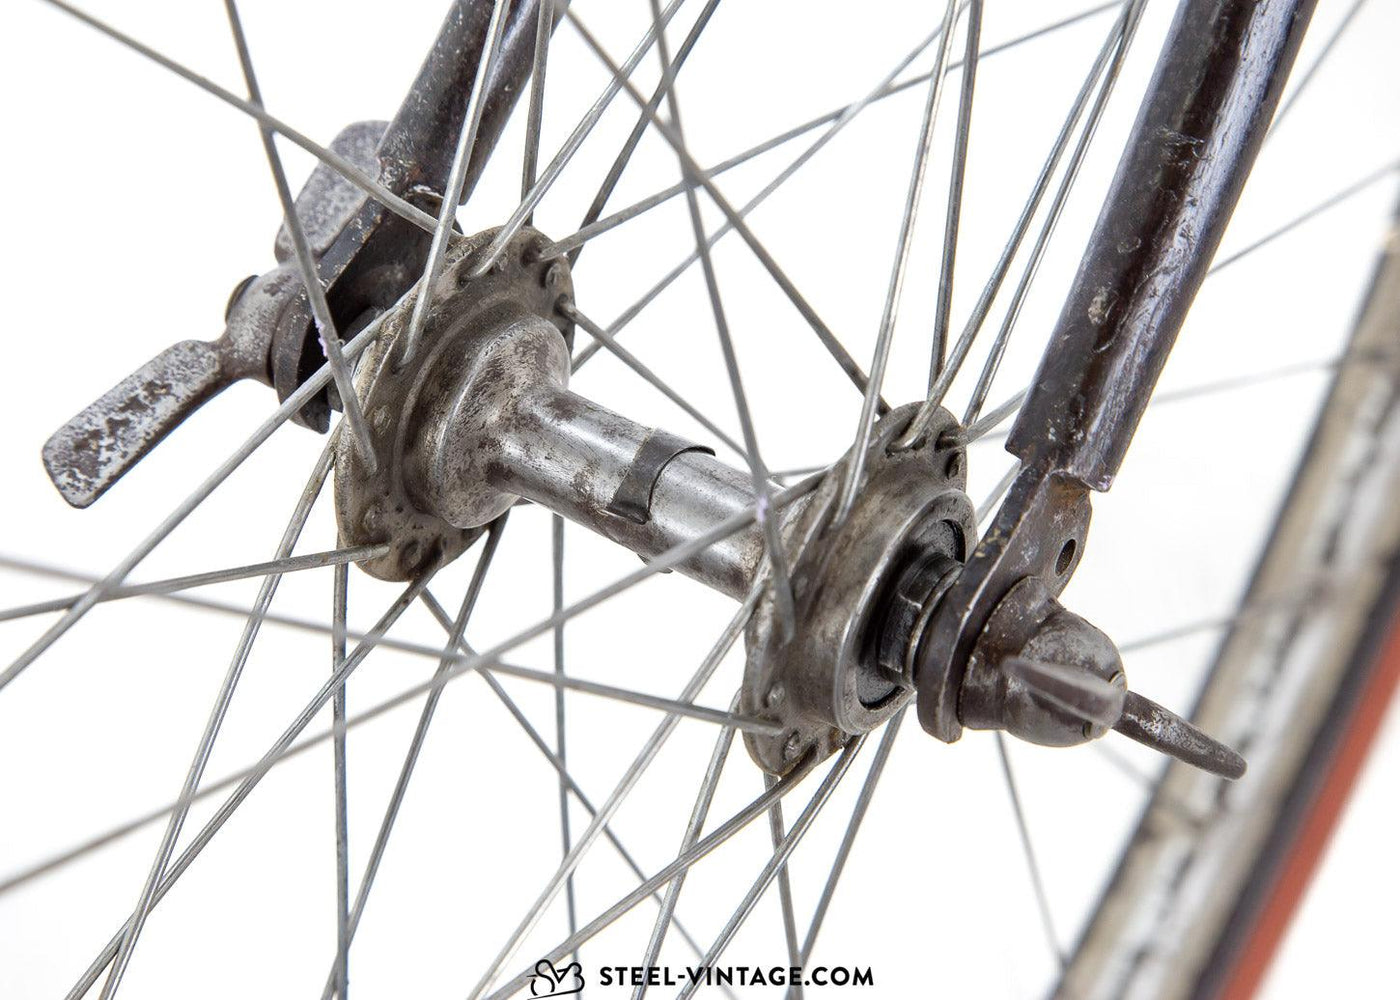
(1285, 687)
(482, 417)
(416, 150)
(825, 684)
(633, 497)
(1038, 533)
(1045, 675)
(88, 454)
(376, 256)
(366, 257)
(1214, 91)
(424, 508)
(1217, 82)
(1033, 669)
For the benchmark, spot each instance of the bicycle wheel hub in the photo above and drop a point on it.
(846, 667)
(479, 416)
(484, 337)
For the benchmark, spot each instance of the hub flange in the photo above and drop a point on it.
(826, 683)
(389, 505)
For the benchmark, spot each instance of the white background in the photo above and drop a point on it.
(135, 202)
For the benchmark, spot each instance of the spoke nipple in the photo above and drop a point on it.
(411, 556)
(793, 746)
(953, 437)
(373, 517)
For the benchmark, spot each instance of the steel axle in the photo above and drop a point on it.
(481, 417)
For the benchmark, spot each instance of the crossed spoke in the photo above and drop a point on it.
(457, 657)
(851, 482)
(205, 748)
(1107, 64)
(466, 142)
(781, 853)
(684, 862)
(294, 402)
(733, 217)
(174, 584)
(335, 161)
(624, 156)
(758, 472)
(888, 88)
(162, 884)
(306, 263)
(571, 145)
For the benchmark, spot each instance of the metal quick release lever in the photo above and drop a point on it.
(366, 258)
(99, 445)
(87, 455)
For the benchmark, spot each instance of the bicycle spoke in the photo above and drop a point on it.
(291, 564)
(569, 309)
(468, 663)
(1308, 594)
(955, 191)
(852, 479)
(987, 424)
(339, 599)
(780, 856)
(731, 215)
(317, 480)
(1330, 202)
(848, 839)
(1307, 77)
(805, 470)
(116, 833)
(554, 762)
(583, 799)
(376, 637)
(1047, 230)
(698, 812)
(669, 70)
(466, 142)
(281, 415)
(1106, 65)
(1032, 865)
(335, 161)
(828, 340)
(778, 830)
(680, 865)
(773, 548)
(306, 264)
(410, 761)
(619, 794)
(888, 88)
(571, 145)
(464, 664)
(566, 841)
(989, 505)
(544, 27)
(671, 706)
(245, 788)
